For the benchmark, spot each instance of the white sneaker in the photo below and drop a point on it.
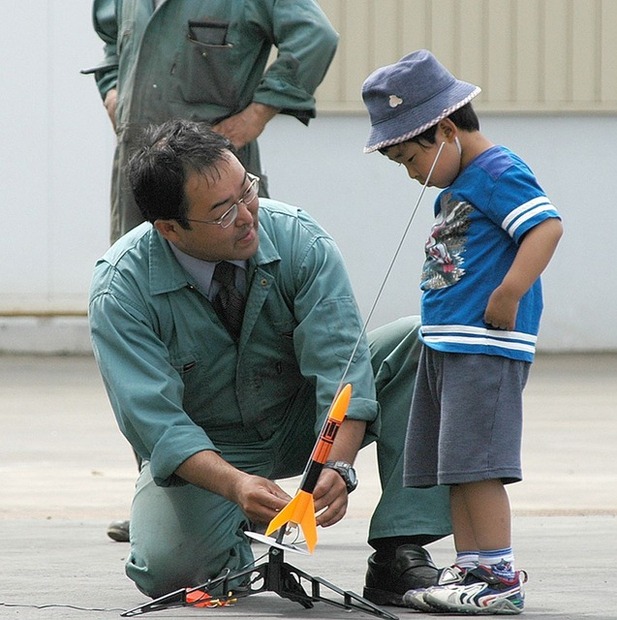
(448, 576)
(481, 592)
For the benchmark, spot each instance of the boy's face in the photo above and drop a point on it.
(418, 158)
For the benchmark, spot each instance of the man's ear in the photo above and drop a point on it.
(168, 229)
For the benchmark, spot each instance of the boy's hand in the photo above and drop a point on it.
(501, 309)
(532, 257)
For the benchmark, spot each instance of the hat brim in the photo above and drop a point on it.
(412, 122)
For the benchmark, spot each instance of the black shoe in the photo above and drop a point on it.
(410, 569)
(118, 531)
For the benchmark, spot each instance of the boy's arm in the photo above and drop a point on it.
(534, 254)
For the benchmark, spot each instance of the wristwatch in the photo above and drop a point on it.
(346, 471)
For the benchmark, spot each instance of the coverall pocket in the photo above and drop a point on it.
(204, 68)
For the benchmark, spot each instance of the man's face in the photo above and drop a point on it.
(209, 196)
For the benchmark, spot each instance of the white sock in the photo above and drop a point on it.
(500, 561)
(466, 559)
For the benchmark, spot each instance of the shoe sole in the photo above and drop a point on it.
(383, 597)
(118, 535)
(419, 603)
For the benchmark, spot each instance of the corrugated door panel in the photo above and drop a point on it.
(527, 55)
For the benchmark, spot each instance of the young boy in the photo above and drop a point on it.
(494, 234)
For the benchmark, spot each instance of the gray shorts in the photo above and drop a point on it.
(466, 419)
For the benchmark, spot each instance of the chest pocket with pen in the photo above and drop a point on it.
(204, 68)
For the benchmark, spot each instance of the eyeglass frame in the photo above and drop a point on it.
(219, 221)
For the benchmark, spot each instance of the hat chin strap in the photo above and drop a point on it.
(458, 146)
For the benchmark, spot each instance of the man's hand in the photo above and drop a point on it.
(330, 497)
(259, 498)
(247, 125)
(110, 103)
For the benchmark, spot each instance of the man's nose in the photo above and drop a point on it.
(246, 213)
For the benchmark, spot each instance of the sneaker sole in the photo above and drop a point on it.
(419, 604)
(499, 607)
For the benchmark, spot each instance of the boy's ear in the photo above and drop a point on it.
(448, 128)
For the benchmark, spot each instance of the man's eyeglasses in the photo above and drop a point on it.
(229, 217)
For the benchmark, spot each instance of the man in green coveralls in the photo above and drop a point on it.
(217, 416)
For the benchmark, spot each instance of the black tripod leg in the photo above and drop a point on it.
(273, 576)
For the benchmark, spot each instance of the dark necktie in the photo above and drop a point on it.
(228, 303)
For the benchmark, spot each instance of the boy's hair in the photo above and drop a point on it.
(169, 153)
(464, 118)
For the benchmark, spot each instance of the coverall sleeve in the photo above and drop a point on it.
(144, 388)
(306, 43)
(329, 328)
(106, 26)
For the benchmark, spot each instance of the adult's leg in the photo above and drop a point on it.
(181, 536)
(422, 514)
(405, 519)
(125, 214)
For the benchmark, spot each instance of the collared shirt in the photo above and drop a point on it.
(202, 272)
(176, 380)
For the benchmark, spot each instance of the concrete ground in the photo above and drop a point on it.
(65, 472)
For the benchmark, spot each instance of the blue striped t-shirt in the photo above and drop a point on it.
(480, 221)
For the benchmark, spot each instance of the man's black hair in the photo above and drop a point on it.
(169, 152)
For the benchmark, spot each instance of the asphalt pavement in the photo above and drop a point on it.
(66, 472)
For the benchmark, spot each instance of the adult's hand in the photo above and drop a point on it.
(110, 102)
(330, 495)
(247, 125)
(259, 498)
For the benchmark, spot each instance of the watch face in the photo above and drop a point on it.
(347, 473)
(353, 478)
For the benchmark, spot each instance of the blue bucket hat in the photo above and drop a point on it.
(408, 97)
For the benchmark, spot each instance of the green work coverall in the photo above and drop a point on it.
(205, 61)
(179, 384)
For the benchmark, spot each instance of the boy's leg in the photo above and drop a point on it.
(484, 423)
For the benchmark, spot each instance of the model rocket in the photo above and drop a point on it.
(301, 509)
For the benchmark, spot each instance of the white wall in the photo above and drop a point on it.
(54, 175)
(56, 148)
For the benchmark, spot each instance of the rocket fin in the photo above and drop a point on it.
(301, 511)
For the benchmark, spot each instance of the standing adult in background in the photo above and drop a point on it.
(206, 61)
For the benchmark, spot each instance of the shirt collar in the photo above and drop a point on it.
(200, 270)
